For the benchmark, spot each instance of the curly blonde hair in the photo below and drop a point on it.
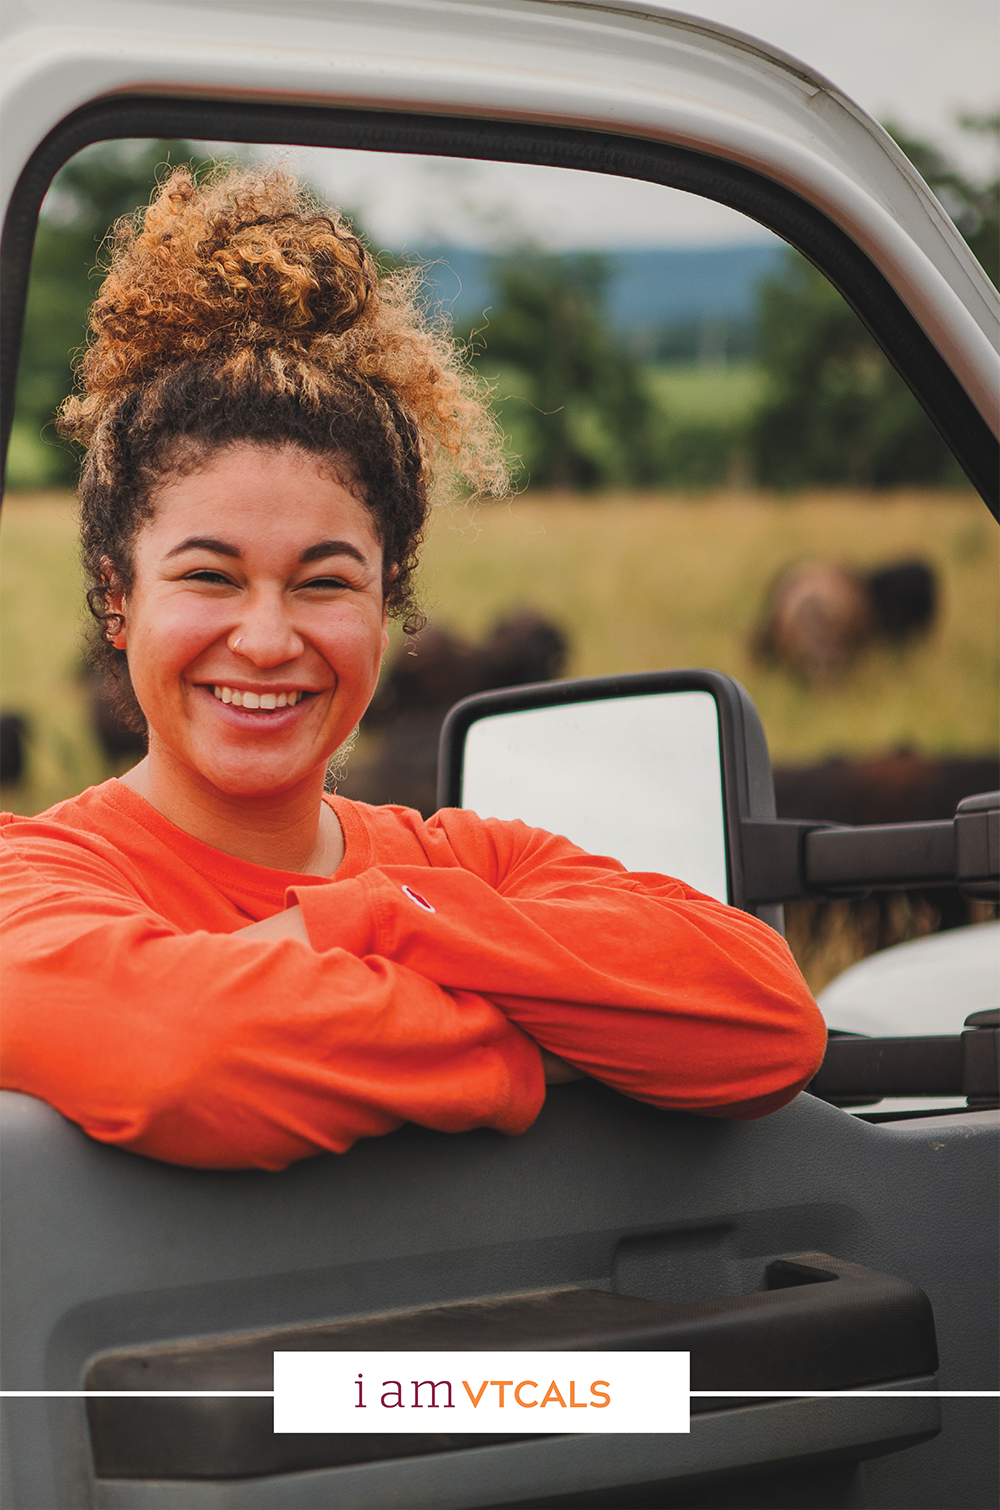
(239, 309)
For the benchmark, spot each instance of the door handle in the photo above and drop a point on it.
(819, 1323)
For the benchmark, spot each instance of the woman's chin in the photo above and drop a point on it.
(265, 786)
(258, 780)
(245, 770)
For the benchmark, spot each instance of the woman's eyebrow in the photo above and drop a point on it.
(318, 552)
(205, 543)
(325, 548)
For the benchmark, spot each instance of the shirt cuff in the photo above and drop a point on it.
(339, 914)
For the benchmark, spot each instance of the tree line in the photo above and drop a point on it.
(579, 403)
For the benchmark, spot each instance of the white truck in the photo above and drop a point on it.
(833, 1278)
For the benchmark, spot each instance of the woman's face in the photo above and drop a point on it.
(256, 623)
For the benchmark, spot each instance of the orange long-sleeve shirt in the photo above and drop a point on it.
(132, 1005)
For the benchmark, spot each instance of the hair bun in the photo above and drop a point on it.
(212, 269)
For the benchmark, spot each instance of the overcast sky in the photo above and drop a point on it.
(918, 62)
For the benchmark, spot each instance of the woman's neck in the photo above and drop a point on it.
(295, 830)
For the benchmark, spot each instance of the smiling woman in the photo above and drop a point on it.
(215, 962)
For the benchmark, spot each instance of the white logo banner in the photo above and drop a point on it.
(482, 1392)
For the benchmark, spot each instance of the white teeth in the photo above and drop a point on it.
(268, 701)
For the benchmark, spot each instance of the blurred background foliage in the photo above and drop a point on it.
(94, 190)
(802, 396)
(834, 410)
(577, 404)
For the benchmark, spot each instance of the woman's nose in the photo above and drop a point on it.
(265, 634)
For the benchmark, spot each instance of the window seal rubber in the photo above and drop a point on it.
(848, 268)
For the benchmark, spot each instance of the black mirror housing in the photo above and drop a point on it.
(747, 780)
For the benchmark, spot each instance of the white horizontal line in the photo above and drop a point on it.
(696, 1394)
(137, 1394)
(845, 1394)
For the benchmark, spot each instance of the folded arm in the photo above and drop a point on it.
(638, 981)
(234, 1051)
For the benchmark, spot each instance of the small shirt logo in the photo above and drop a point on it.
(416, 898)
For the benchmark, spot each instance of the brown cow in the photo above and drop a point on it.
(819, 615)
(898, 788)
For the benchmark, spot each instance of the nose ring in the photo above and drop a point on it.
(237, 642)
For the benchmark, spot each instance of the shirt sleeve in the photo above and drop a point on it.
(637, 980)
(218, 1051)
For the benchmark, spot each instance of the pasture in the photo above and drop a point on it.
(639, 582)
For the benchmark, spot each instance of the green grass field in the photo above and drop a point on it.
(725, 396)
(637, 582)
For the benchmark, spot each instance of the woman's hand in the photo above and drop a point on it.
(283, 925)
(557, 1071)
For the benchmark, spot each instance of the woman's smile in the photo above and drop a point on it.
(267, 702)
(267, 712)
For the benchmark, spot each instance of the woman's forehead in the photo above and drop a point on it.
(260, 497)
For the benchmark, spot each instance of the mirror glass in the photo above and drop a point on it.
(638, 778)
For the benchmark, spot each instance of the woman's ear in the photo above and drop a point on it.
(114, 598)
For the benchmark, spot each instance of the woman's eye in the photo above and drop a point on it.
(216, 578)
(325, 582)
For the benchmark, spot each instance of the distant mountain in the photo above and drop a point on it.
(649, 286)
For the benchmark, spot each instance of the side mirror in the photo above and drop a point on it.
(658, 769)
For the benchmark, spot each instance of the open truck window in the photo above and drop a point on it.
(713, 464)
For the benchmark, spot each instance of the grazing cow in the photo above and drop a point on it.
(818, 616)
(897, 788)
(434, 671)
(13, 728)
(904, 596)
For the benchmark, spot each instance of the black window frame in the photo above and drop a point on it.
(847, 266)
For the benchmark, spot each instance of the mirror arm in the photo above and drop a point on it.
(858, 1070)
(839, 861)
(785, 860)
